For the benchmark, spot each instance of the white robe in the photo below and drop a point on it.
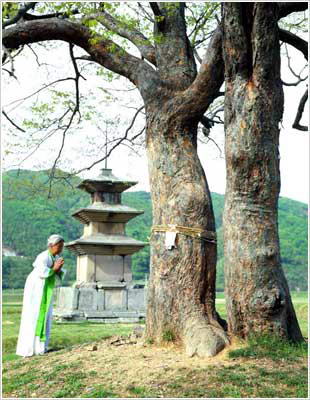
(28, 344)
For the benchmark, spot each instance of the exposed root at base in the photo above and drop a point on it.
(203, 339)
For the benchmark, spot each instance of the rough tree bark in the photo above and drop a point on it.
(181, 291)
(256, 290)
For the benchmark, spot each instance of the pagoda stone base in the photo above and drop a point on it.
(102, 303)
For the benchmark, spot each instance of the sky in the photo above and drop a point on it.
(85, 145)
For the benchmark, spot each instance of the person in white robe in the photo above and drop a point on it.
(37, 310)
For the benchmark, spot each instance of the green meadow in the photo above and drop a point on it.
(260, 367)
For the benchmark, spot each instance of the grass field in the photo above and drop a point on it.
(260, 367)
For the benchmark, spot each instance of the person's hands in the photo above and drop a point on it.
(58, 264)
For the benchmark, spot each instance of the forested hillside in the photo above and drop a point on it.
(29, 218)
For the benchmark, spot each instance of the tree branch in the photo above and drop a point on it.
(118, 142)
(135, 36)
(300, 79)
(289, 7)
(300, 111)
(145, 13)
(210, 78)
(195, 100)
(9, 55)
(39, 90)
(12, 122)
(174, 52)
(295, 41)
(75, 111)
(156, 10)
(20, 14)
(32, 17)
(101, 51)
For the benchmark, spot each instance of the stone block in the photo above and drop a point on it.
(99, 314)
(116, 299)
(88, 299)
(128, 320)
(86, 268)
(113, 268)
(136, 299)
(67, 298)
(100, 298)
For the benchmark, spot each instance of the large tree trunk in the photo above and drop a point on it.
(181, 292)
(256, 290)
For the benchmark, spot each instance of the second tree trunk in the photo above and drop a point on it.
(256, 290)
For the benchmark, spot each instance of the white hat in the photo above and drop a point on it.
(53, 239)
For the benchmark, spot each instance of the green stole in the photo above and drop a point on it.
(45, 302)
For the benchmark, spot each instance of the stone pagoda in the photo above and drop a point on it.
(103, 291)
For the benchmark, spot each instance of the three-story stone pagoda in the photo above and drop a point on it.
(104, 290)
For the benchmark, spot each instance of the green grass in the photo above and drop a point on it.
(272, 347)
(12, 295)
(140, 391)
(99, 391)
(62, 335)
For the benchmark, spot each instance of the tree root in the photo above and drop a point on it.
(203, 339)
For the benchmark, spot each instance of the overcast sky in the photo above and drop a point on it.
(82, 146)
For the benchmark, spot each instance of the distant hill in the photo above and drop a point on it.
(29, 218)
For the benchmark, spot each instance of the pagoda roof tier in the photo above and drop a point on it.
(103, 244)
(103, 212)
(106, 182)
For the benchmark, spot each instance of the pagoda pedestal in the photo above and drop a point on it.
(104, 290)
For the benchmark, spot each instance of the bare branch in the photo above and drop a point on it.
(137, 135)
(300, 79)
(9, 72)
(118, 142)
(39, 90)
(145, 13)
(36, 56)
(198, 22)
(47, 136)
(201, 21)
(294, 83)
(85, 58)
(294, 40)
(75, 111)
(12, 122)
(212, 140)
(300, 111)
(8, 54)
